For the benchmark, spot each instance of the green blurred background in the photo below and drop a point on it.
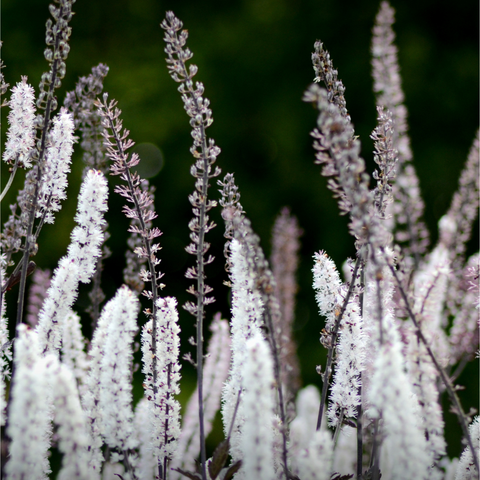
(254, 60)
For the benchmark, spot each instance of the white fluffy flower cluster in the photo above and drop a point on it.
(162, 386)
(79, 264)
(257, 439)
(404, 453)
(466, 466)
(327, 285)
(115, 375)
(247, 312)
(344, 396)
(29, 415)
(57, 165)
(88, 236)
(21, 134)
(350, 350)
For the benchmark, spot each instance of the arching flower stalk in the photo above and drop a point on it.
(205, 153)
(141, 211)
(79, 263)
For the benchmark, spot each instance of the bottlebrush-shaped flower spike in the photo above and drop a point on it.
(257, 438)
(161, 391)
(88, 236)
(70, 420)
(91, 394)
(327, 284)
(404, 452)
(315, 462)
(147, 462)
(56, 166)
(331, 295)
(247, 311)
(115, 373)
(350, 355)
(21, 134)
(29, 413)
(339, 153)
(78, 265)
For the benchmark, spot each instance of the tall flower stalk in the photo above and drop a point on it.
(142, 210)
(205, 152)
(56, 53)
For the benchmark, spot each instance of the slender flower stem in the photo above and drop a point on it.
(10, 180)
(205, 154)
(328, 368)
(359, 433)
(200, 306)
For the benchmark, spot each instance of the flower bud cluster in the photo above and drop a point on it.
(343, 163)
(87, 118)
(385, 156)
(325, 72)
(232, 207)
(136, 191)
(56, 38)
(407, 208)
(203, 150)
